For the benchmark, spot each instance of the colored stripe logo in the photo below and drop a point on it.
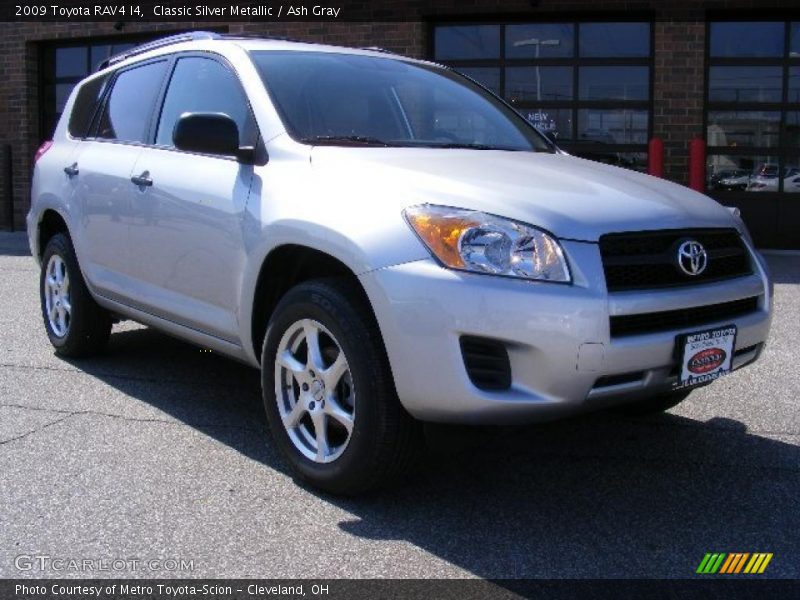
(732, 563)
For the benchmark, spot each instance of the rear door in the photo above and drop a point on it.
(186, 228)
(103, 166)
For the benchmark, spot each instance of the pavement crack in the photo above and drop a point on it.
(38, 429)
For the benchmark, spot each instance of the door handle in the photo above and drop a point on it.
(142, 180)
(71, 170)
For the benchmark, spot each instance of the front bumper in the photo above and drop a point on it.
(563, 358)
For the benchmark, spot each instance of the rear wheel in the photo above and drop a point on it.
(654, 404)
(75, 324)
(328, 392)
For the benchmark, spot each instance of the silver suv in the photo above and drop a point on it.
(387, 240)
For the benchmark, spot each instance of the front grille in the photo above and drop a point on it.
(486, 362)
(680, 319)
(648, 259)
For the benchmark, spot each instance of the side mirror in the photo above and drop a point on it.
(210, 133)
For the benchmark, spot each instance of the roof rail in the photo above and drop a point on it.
(189, 36)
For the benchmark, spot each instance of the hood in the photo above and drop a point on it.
(571, 197)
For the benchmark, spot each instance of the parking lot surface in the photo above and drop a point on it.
(158, 452)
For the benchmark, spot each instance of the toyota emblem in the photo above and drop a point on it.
(692, 258)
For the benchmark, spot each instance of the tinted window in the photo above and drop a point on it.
(203, 85)
(85, 106)
(615, 39)
(327, 95)
(745, 84)
(614, 83)
(542, 40)
(612, 126)
(532, 84)
(743, 128)
(478, 41)
(746, 39)
(71, 61)
(127, 113)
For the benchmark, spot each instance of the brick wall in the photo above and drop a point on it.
(678, 75)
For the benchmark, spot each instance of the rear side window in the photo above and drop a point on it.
(86, 104)
(127, 113)
(204, 85)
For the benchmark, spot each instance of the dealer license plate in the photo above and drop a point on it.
(705, 355)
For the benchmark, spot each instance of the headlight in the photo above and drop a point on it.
(474, 241)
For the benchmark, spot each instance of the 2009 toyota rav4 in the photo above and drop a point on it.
(387, 240)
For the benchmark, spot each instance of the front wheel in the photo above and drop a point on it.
(74, 322)
(328, 392)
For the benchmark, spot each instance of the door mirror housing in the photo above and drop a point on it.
(210, 133)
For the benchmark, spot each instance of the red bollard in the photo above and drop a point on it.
(697, 164)
(655, 157)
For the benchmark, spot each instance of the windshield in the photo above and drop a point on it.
(350, 99)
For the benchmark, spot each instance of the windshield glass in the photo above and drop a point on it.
(348, 99)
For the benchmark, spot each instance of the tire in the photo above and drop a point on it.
(75, 324)
(654, 404)
(383, 440)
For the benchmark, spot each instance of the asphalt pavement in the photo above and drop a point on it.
(158, 453)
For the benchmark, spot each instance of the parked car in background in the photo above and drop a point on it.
(387, 241)
(730, 180)
(765, 179)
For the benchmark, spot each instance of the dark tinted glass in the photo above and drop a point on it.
(793, 129)
(612, 126)
(745, 84)
(614, 83)
(203, 85)
(746, 39)
(542, 40)
(71, 62)
(487, 76)
(532, 84)
(467, 42)
(794, 84)
(743, 128)
(614, 39)
(331, 97)
(85, 106)
(794, 40)
(127, 112)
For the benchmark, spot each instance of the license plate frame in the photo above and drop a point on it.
(705, 355)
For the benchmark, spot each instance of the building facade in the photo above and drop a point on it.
(602, 78)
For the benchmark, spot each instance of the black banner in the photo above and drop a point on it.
(459, 589)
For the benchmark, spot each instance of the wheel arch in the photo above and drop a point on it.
(51, 222)
(284, 267)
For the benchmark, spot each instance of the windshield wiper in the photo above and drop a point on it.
(472, 146)
(335, 140)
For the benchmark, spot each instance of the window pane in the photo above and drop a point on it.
(98, 54)
(794, 84)
(467, 42)
(794, 40)
(63, 91)
(613, 126)
(793, 129)
(531, 84)
(791, 179)
(615, 39)
(614, 83)
(743, 128)
(544, 40)
(85, 106)
(555, 121)
(741, 173)
(745, 84)
(490, 77)
(202, 85)
(127, 113)
(71, 62)
(747, 39)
